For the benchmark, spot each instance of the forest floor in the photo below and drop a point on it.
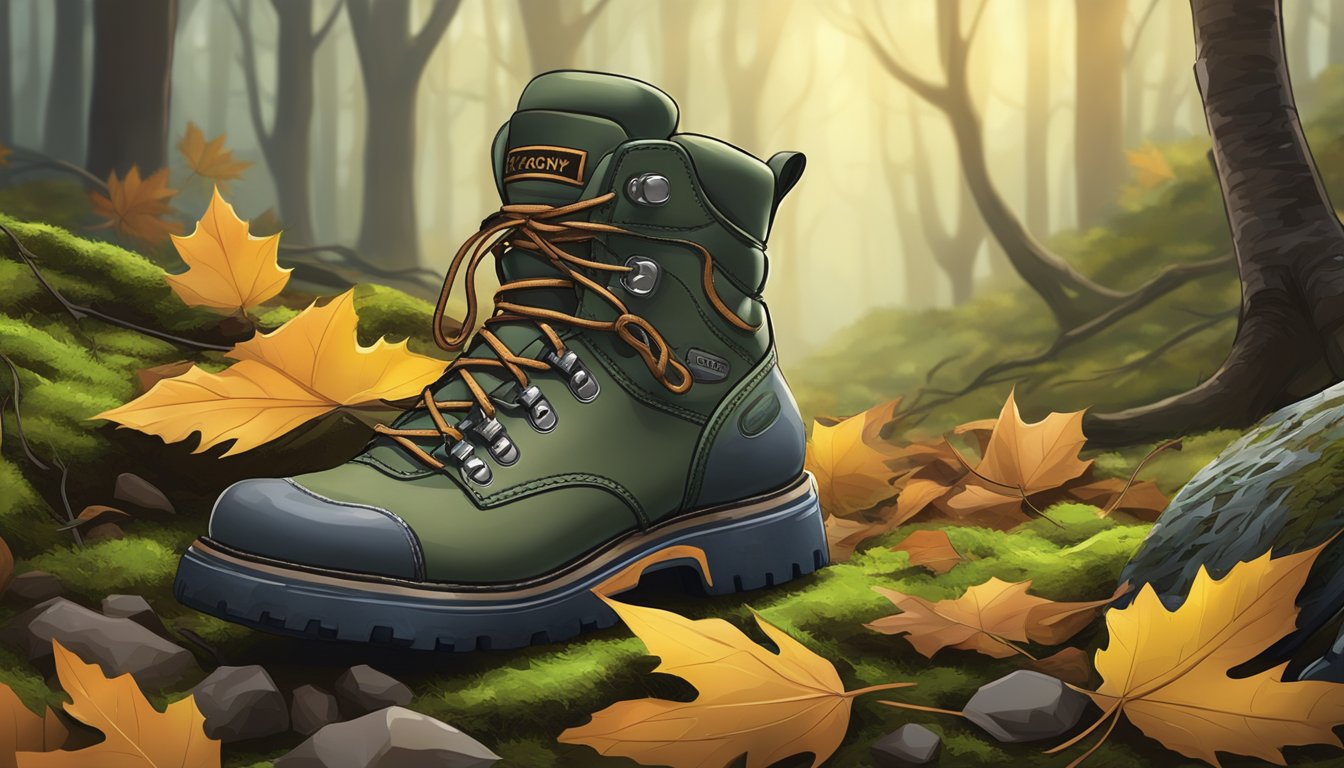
(518, 702)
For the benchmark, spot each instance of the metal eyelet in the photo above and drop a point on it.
(472, 466)
(580, 380)
(540, 414)
(651, 189)
(643, 276)
(492, 433)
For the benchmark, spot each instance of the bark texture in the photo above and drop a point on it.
(132, 76)
(392, 60)
(1288, 241)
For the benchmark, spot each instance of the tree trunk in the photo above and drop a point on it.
(66, 101)
(219, 68)
(1288, 241)
(392, 61)
(1037, 113)
(1335, 52)
(326, 154)
(132, 73)
(553, 36)
(6, 77)
(30, 94)
(1099, 138)
(954, 249)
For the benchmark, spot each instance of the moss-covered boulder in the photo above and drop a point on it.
(1280, 487)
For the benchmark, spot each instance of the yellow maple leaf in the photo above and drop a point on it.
(136, 207)
(1150, 166)
(750, 701)
(307, 367)
(210, 159)
(136, 735)
(988, 618)
(1167, 671)
(22, 730)
(849, 458)
(1022, 459)
(227, 268)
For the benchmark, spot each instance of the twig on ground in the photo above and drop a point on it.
(28, 448)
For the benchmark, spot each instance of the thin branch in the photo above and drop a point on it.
(928, 90)
(1157, 352)
(967, 38)
(330, 22)
(1138, 31)
(588, 16)
(248, 60)
(79, 311)
(18, 416)
(65, 501)
(424, 43)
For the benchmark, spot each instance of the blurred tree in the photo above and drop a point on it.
(392, 60)
(6, 77)
(66, 100)
(1335, 41)
(1037, 112)
(745, 76)
(1080, 306)
(132, 78)
(674, 21)
(287, 145)
(29, 130)
(326, 147)
(219, 67)
(1098, 111)
(954, 248)
(554, 36)
(1288, 239)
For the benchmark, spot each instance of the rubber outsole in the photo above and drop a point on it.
(760, 543)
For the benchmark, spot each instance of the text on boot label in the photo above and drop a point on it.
(545, 162)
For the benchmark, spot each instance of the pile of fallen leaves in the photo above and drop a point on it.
(1011, 471)
(1167, 671)
(308, 367)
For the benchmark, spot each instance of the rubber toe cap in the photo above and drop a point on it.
(281, 519)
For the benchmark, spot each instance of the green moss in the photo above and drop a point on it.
(105, 567)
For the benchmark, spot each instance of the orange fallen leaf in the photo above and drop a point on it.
(307, 367)
(750, 701)
(1150, 166)
(22, 730)
(1144, 500)
(1072, 665)
(136, 207)
(135, 734)
(6, 565)
(229, 270)
(930, 549)
(1168, 671)
(844, 535)
(988, 618)
(209, 159)
(848, 459)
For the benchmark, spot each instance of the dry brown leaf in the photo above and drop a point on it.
(309, 366)
(136, 207)
(95, 515)
(848, 458)
(989, 618)
(6, 565)
(1144, 500)
(22, 730)
(146, 378)
(210, 159)
(930, 549)
(229, 270)
(749, 700)
(844, 535)
(1167, 671)
(1072, 665)
(136, 735)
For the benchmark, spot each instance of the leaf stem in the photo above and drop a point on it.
(876, 688)
(922, 708)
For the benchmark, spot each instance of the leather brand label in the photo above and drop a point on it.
(705, 367)
(544, 162)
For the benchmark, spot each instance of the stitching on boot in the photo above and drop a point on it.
(690, 173)
(383, 466)
(568, 478)
(416, 556)
(711, 433)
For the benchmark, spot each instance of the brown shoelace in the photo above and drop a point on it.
(538, 228)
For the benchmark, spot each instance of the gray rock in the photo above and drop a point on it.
(1025, 706)
(135, 608)
(389, 738)
(908, 746)
(363, 689)
(35, 586)
(134, 489)
(241, 703)
(118, 646)
(1276, 487)
(311, 709)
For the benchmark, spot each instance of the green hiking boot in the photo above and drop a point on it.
(620, 402)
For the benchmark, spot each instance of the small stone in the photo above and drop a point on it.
(36, 586)
(908, 746)
(135, 608)
(1025, 706)
(389, 738)
(134, 489)
(311, 709)
(241, 703)
(118, 646)
(363, 689)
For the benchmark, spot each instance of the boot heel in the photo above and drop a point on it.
(781, 542)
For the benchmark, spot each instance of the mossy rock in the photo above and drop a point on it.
(1276, 488)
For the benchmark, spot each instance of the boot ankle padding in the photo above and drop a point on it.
(740, 186)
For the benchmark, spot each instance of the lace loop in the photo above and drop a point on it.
(542, 229)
